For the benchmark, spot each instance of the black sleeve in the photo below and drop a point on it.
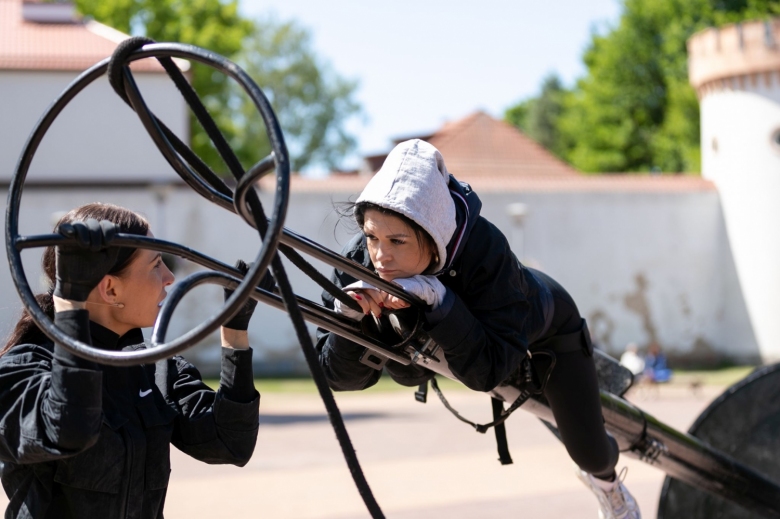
(50, 401)
(339, 357)
(217, 427)
(483, 335)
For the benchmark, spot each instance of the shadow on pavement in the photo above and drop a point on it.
(287, 419)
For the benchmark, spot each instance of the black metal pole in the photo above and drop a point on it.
(678, 454)
(689, 459)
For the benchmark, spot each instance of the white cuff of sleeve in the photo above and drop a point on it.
(346, 311)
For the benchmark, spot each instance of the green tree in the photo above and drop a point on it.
(634, 110)
(545, 114)
(311, 101)
(517, 115)
(539, 117)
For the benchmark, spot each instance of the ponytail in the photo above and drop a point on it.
(26, 331)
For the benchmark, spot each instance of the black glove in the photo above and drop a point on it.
(82, 265)
(240, 321)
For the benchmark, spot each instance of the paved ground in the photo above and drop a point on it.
(420, 461)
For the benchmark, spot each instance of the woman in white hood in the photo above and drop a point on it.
(421, 228)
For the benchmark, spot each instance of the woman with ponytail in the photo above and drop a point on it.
(82, 440)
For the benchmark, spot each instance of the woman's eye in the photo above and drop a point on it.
(158, 264)
(398, 241)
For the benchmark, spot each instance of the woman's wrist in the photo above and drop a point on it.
(236, 339)
(63, 305)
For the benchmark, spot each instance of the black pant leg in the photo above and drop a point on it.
(573, 393)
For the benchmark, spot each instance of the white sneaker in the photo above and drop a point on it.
(615, 501)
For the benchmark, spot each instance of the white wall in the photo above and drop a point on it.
(641, 266)
(739, 156)
(97, 137)
(180, 215)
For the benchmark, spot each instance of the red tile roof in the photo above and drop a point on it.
(481, 146)
(73, 46)
(609, 183)
(493, 156)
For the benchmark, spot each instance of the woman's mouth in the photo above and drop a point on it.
(387, 275)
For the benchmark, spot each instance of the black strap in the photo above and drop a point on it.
(525, 381)
(500, 429)
(528, 385)
(482, 428)
(421, 395)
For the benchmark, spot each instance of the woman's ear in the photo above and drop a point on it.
(107, 290)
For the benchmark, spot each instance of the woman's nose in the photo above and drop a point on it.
(168, 277)
(382, 253)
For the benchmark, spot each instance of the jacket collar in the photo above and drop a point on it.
(467, 208)
(104, 338)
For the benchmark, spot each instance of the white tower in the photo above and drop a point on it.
(736, 73)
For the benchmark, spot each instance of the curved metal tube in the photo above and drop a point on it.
(269, 243)
(178, 154)
(316, 314)
(312, 312)
(135, 241)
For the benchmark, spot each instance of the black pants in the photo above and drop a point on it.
(573, 393)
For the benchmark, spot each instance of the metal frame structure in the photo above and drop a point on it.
(680, 455)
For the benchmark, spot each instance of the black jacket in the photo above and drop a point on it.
(492, 311)
(81, 440)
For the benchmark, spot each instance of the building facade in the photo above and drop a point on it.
(648, 258)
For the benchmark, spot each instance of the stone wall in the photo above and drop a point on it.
(642, 266)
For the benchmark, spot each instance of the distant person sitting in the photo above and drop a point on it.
(632, 361)
(656, 370)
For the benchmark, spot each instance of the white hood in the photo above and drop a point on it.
(413, 182)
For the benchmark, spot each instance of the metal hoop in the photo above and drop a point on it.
(16, 243)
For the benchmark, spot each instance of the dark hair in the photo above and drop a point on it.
(26, 331)
(424, 240)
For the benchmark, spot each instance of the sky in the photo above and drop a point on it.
(421, 63)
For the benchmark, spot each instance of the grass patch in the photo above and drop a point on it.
(306, 385)
(716, 377)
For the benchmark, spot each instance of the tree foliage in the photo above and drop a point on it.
(635, 110)
(211, 24)
(311, 101)
(539, 117)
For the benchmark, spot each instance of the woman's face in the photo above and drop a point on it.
(393, 246)
(141, 288)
